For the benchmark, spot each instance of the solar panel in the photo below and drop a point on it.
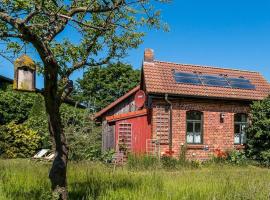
(242, 80)
(195, 81)
(187, 78)
(187, 75)
(240, 83)
(242, 86)
(212, 80)
(218, 81)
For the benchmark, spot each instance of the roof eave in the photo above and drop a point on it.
(157, 94)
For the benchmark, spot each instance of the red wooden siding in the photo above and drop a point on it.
(140, 132)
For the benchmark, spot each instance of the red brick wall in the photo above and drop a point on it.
(216, 135)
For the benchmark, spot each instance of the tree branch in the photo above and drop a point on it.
(30, 16)
(78, 22)
(11, 35)
(73, 11)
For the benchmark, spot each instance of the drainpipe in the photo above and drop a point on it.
(170, 124)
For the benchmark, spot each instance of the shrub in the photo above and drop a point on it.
(107, 156)
(258, 134)
(37, 121)
(14, 105)
(17, 141)
(84, 141)
(237, 157)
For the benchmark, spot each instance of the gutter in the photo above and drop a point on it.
(170, 123)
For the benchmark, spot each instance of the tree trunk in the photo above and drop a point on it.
(59, 167)
(58, 172)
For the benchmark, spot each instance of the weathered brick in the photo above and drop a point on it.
(216, 134)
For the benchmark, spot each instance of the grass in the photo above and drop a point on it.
(24, 179)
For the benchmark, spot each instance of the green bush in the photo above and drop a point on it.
(37, 120)
(17, 141)
(107, 156)
(84, 138)
(237, 157)
(258, 134)
(15, 105)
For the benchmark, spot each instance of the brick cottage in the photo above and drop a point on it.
(202, 108)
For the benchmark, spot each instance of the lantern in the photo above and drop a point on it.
(24, 72)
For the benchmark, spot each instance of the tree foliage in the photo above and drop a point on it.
(17, 141)
(101, 86)
(14, 105)
(258, 142)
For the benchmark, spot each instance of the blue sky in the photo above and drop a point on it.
(231, 34)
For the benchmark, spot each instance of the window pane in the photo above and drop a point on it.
(198, 127)
(197, 138)
(237, 138)
(237, 128)
(243, 118)
(189, 127)
(194, 115)
(243, 127)
(243, 138)
(240, 117)
(189, 137)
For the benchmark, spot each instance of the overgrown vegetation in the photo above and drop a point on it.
(258, 134)
(24, 127)
(95, 181)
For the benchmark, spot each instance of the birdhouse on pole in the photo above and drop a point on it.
(24, 74)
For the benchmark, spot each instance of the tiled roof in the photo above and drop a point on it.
(158, 77)
(122, 98)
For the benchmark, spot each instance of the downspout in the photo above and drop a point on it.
(170, 123)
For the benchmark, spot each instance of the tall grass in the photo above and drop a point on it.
(23, 179)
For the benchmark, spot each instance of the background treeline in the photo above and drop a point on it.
(23, 120)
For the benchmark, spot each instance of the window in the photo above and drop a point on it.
(194, 127)
(240, 125)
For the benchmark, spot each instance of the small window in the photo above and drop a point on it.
(240, 125)
(194, 127)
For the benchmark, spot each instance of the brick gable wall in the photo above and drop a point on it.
(216, 134)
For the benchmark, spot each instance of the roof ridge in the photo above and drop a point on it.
(206, 66)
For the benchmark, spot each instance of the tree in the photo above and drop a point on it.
(107, 84)
(258, 133)
(104, 30)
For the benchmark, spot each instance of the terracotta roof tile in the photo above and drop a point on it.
(158, 77)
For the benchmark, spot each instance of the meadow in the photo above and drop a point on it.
(27, 180)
